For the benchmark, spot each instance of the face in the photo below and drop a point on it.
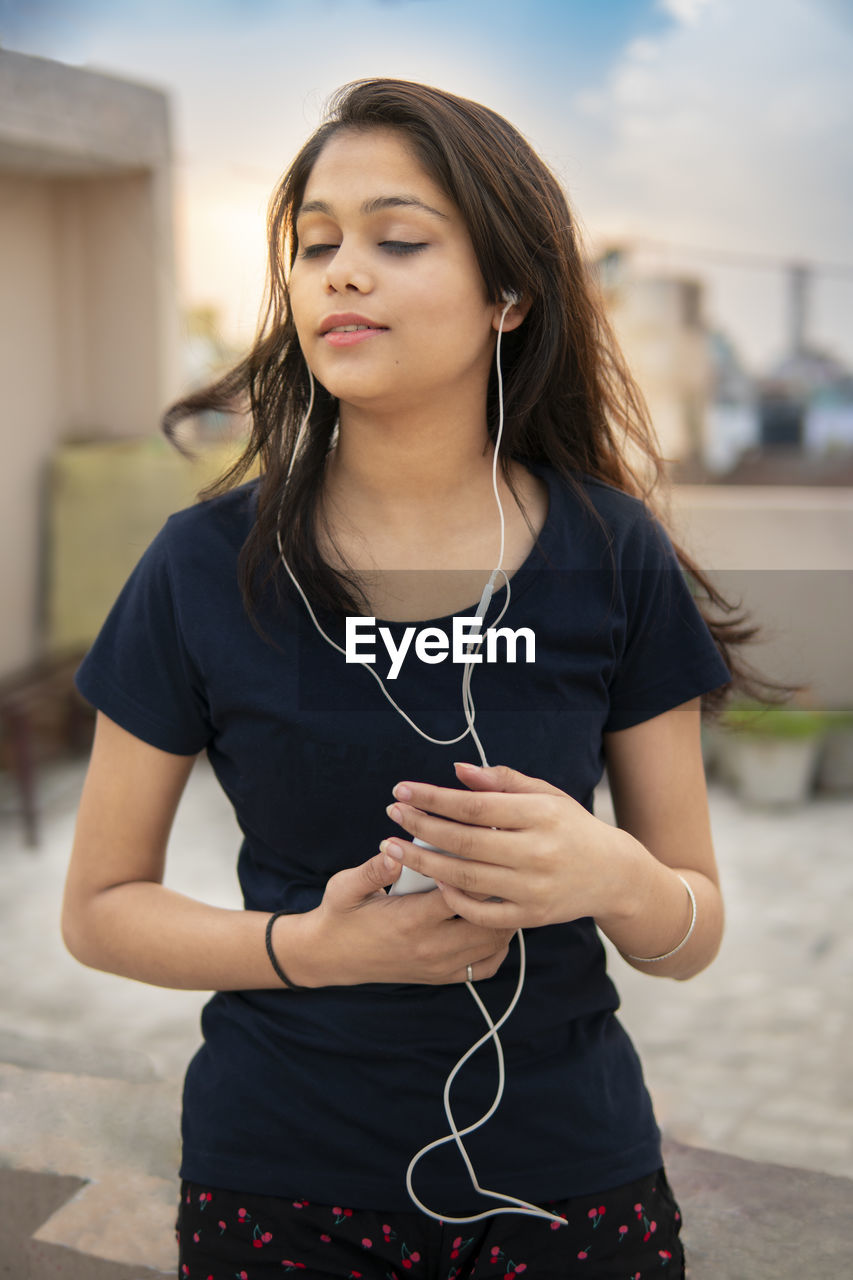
(386, 292)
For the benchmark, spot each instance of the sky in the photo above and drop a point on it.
(715, 134)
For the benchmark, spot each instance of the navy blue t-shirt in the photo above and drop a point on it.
(326, 1094)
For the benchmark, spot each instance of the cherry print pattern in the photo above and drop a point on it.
(631, 1232)
(510, 1268)
(409, 1257)
(458, 1245)
(260, 1238)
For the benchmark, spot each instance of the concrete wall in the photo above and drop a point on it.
(88, 311)
(30, 378)
(787, 553)
(108, 268)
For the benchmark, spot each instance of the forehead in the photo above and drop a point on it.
(357, 165)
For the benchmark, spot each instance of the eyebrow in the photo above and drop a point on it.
(376, 205)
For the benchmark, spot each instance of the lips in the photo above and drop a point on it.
(349, 322)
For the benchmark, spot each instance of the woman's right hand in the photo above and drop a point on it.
(359, 934)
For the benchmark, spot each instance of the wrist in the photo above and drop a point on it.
(679, 946)
(293, 943)
(656, 919)
(628, 865)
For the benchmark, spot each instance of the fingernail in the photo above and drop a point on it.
(463, 764)
(393, 813)
(402, 792)
(390, 864)
(389, 847)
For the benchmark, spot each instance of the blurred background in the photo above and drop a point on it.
(705, 147)
(704, 144)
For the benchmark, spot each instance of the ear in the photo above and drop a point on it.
(514, 316)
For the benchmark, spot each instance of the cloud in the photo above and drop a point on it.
(711, 122)
(730, 129)
(735, 120)
(686, 11)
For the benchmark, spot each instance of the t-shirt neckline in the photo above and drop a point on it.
(519, 581)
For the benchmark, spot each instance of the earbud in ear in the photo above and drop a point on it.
(511, 297)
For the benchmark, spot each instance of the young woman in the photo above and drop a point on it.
(412, 231)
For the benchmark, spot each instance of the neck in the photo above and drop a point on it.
(397, 467)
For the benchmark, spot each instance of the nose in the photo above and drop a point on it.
(347, 271)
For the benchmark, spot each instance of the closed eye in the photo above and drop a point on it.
(391, 246)
(315, 250)
(401, 246)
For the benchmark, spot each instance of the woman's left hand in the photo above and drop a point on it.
(517, 839)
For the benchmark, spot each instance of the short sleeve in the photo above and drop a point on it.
(668, 653)
(139, 671)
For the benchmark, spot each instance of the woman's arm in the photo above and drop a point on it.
(530, 855)
(118, 916)
(660, 799)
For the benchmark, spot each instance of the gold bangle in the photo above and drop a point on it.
(684, 941)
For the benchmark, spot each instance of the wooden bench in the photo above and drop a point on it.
(40, 710)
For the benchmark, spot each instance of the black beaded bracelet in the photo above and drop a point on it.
(295, 986)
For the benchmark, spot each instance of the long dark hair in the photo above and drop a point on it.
(569, 398)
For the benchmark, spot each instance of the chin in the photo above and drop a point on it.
(365, 393)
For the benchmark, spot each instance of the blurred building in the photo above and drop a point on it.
(733, 423)
(802, 426)
(716, 421)
(793, 425)
(88, 317)
(817, 391)
(763, 468)
(828, 426)
(660, 326)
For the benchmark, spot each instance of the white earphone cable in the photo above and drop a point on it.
(484, 599)
(512, 1204)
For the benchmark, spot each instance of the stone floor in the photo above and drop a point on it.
(751, 1059)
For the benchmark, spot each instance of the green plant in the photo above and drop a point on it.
(839, 720)
(761, 721)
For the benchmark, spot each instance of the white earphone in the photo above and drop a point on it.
(511, 1204)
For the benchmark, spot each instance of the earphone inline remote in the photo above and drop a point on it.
(414, 881)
